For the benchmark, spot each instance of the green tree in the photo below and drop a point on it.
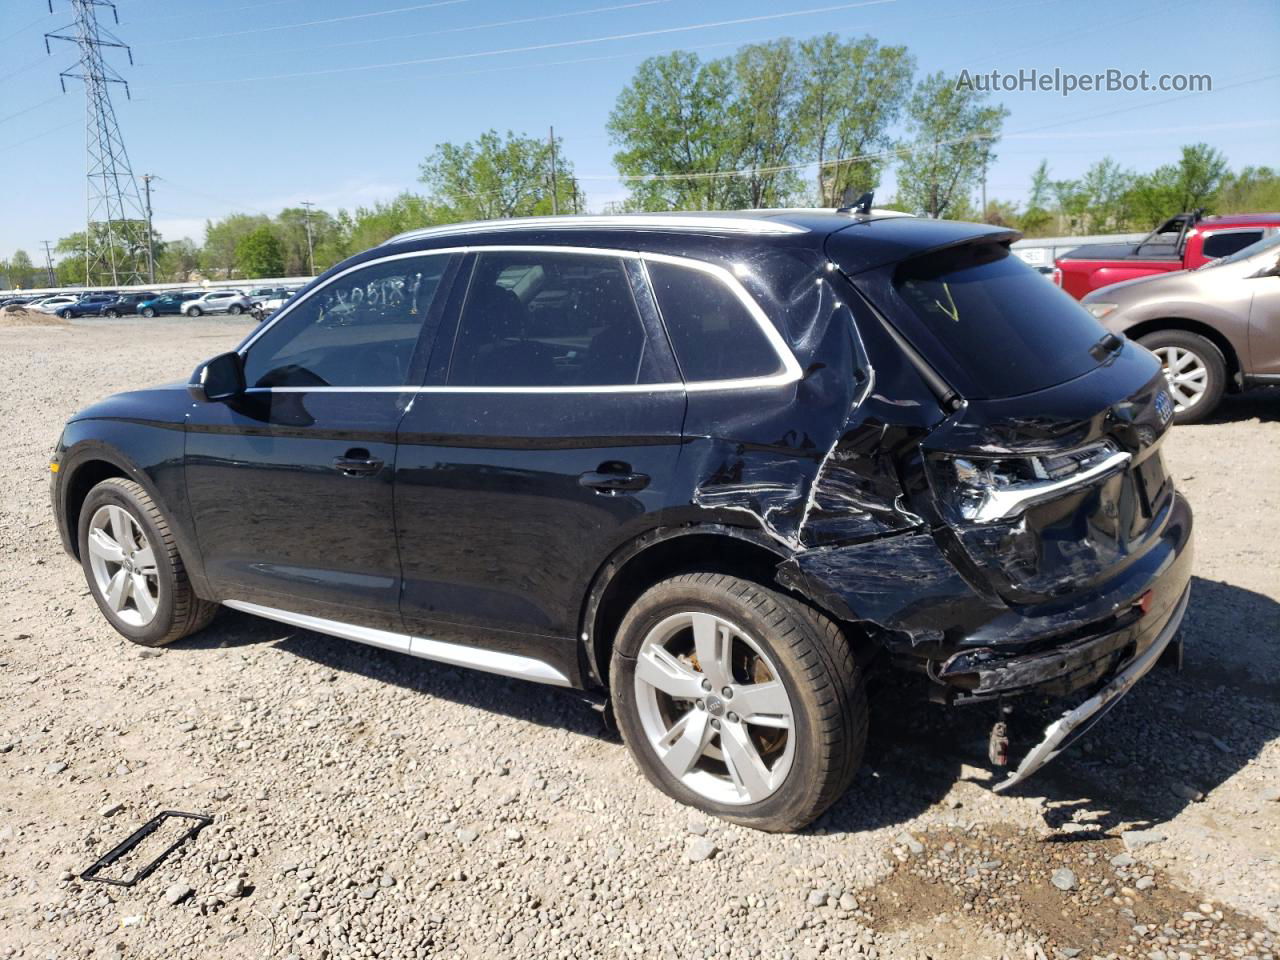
(853, 92)
(369, 226)
(953, 130)
(260, 254)
(1037, 219)
(1173, 188)
(673, 125)
(221, 239)
(290, 226)
(1099, 201)
(122, 242)
(764, 114)
(1249, 190)
(20, 272)
(177, 261)
(496, 176)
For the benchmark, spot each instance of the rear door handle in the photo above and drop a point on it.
(357, 463)
(613, 482)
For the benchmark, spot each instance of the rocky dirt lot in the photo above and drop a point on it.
(366, 804)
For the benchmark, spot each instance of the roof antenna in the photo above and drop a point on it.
(861, 206)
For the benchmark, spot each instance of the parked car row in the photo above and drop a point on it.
(191, 303)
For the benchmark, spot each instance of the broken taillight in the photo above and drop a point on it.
(984, 489)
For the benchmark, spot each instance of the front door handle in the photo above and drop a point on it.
(357, 463)
(613, 478)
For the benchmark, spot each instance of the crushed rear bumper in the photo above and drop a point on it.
(1075, 723)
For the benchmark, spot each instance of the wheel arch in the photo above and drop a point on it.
(661, 553)
(1200, 328)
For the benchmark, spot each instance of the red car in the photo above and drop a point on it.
(1186, 241)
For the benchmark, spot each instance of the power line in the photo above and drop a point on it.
(464, 29)
(59, 129)
(315, 23)
(543, 46)
(34, 23)
(36, 106)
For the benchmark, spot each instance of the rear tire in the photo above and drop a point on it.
(808, 737)
(1201, 378)
(65, 314)
(113, 314)
(133, 569)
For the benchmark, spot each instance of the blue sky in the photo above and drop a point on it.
(361, 90)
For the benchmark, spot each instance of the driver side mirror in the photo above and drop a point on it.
(219, 378)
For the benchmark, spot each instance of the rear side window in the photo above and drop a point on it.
(985, 314)
(1224, 244)
(714, 335)
(544, 319)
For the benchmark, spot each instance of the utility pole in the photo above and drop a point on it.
(151, 249)
(113, 223)
(985, 153)
(48, 264)
(311, 255)
(555, 202)
(574, 184)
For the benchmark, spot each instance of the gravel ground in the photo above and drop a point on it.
(367, 804)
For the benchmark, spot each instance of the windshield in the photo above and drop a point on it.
(991, 324)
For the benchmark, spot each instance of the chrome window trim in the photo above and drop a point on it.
(790, 373)
(455, 654)
(757, 226)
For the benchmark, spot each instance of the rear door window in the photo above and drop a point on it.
(546, 319)
(714, 334)
(1224, 244)
(989, 322)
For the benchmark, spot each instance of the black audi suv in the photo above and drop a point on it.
(721, 469)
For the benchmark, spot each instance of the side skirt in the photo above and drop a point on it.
(490, 661)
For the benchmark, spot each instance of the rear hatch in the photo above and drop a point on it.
(1046, 477)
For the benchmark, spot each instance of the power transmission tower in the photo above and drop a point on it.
(115, 230)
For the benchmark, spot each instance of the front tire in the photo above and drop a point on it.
(65, 314)
(148, 313)
(235, 310)
(113, 314)
(738, 700)
(194, 312)
(133, 568)
(1194, 369)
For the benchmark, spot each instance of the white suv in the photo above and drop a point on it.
(217, 301)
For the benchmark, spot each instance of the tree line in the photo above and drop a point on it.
(814, 122)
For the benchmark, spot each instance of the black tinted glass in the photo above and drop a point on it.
(359, 330)
(714, 336)
(992, 316)
(1225, 244)
(535, 319)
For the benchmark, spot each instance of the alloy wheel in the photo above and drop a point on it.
(123, 562)
(714, 708)
(1186, 374)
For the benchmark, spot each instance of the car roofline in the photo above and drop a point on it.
(767, 222)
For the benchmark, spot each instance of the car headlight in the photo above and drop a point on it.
(1100, 310)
